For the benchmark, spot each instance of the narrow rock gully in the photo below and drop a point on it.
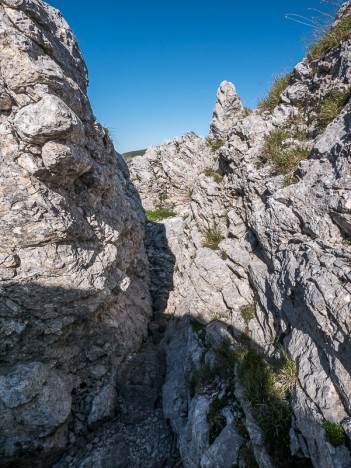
(139, 436)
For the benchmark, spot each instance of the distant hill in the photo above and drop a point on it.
(131, 154)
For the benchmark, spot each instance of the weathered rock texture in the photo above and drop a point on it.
(227, 111)
(74, 294)
(284, 248)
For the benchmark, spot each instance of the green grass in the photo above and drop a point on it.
(284, 157)
(201, 378)
(272, 99)
(270, 406)
(248, 313)
(330, 39)
(330, 107)
(159, 215)
(212, 238)
(287, 373)
(335, 433)
(215, 144)
(209, 172)
(267, 387)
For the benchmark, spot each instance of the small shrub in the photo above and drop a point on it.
(213, 238)
(248, 313)
(209, 172)
(335, 433)
(282, 155)
(215, 144)
(330, 106)
(346, 241)
(247, 111)
(330, 39)
(159, 215)
(279, 85)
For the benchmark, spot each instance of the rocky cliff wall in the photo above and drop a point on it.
(74, 297)
(261, 274)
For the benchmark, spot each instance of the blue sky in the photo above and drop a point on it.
(155, 66)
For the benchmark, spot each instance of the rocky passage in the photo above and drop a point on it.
(215, 335)
(139, 435)
(258, 355)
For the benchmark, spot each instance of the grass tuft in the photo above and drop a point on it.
(201, 378)
(248, 313)
(287, 373)
(330, 39)
(335, 433)
(281, 154)
(271, 408)
(209, 172)
(330, 107)
(215, 144)
(272, 99)
(212, 238)
(159, 215)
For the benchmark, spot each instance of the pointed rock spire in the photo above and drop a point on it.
(227, 111)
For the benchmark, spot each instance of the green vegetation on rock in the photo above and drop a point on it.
(330, 39)
(272, 99)
(212, 238)
(335, 433)
(269, 402)
(215, 144)
(248, 313)
(159, 214)
(284, 155)
(330, 106)
(209, 172)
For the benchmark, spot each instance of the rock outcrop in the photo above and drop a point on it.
(261, 251)
(74, 289)
(227, 111)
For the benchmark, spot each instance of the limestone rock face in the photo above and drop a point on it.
(74, 296)
(227, 111)
(166, 174)
(279, 244)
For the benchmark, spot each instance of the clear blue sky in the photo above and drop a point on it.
(154, 66)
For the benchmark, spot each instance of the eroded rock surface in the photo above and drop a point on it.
(228, 110)
(74, 299)
(253, 239)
